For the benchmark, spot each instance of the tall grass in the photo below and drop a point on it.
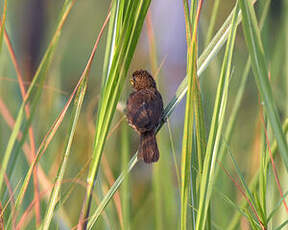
(128, 20)
(231, 148)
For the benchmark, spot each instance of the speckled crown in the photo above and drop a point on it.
(142, 79)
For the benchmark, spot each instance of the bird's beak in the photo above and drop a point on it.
(131, 82)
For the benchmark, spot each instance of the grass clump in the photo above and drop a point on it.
(64, 160)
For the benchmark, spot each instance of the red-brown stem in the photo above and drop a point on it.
(25, 217)
(11, 193)
(82, 218)
(31, 134)
(273, 164)
(110, 178)
(270, 153)
(243, 194)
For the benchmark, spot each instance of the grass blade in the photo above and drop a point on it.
(112, 190)
(3, 19)
(58, 182)
(281, 226)
(47, 139)
(212, 150)
(125, 44)
(187, 141)
(239, 96)
(32, 96)
(125, 190)
(255, 181)
(259, 66)
(208, 54)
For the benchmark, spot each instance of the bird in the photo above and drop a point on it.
(144, 111)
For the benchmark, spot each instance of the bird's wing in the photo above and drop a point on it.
(145, 108)
(140, 108)
(139, 115)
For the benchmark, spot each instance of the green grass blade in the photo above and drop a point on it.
(281, 226)
(112, 190)
(47, 139)
(275, 209)
(127, 40)
(235, 110)
(252, 221)
(174, 154)
(207, 178)
(254, 182)
(245, 185)
(203, 61)
(231, 203)
(163, 198)
(157, 194)
(212, 21)
(32, 96)
(236, 106)
(207, 56)
(125, 190)
(187, 141)
(259, 66)
(43, 146)
(109, 43)
(166, 185)
(3, 20)
(54, 197)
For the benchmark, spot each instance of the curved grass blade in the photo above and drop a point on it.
(259, 66)
(125, 190)
(275, 209)
(189, 110)
(254, 203)
(239, 96)
(32, 96)
(281, 226)
(207, 56)
(58, 182)
(203, 61)
(215, 133)
(112, 190)
(109, 43)
(3, 20)
(125, 44)
(212, 21)
(47, 139)
(255, 181)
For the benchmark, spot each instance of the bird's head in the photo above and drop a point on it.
(141, 79)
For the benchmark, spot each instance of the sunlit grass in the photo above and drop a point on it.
(80, 167)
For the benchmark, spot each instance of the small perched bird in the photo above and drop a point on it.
(145, 107)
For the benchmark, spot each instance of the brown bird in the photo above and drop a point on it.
(145, 107)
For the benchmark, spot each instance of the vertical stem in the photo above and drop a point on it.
(125, 190)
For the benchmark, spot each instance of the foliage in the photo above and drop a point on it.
(63, 164)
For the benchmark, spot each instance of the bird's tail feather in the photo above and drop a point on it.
(148, 149)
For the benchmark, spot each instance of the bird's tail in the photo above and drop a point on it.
(148, 149)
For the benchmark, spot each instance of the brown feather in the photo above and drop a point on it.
(148, 149)
(144, 110)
